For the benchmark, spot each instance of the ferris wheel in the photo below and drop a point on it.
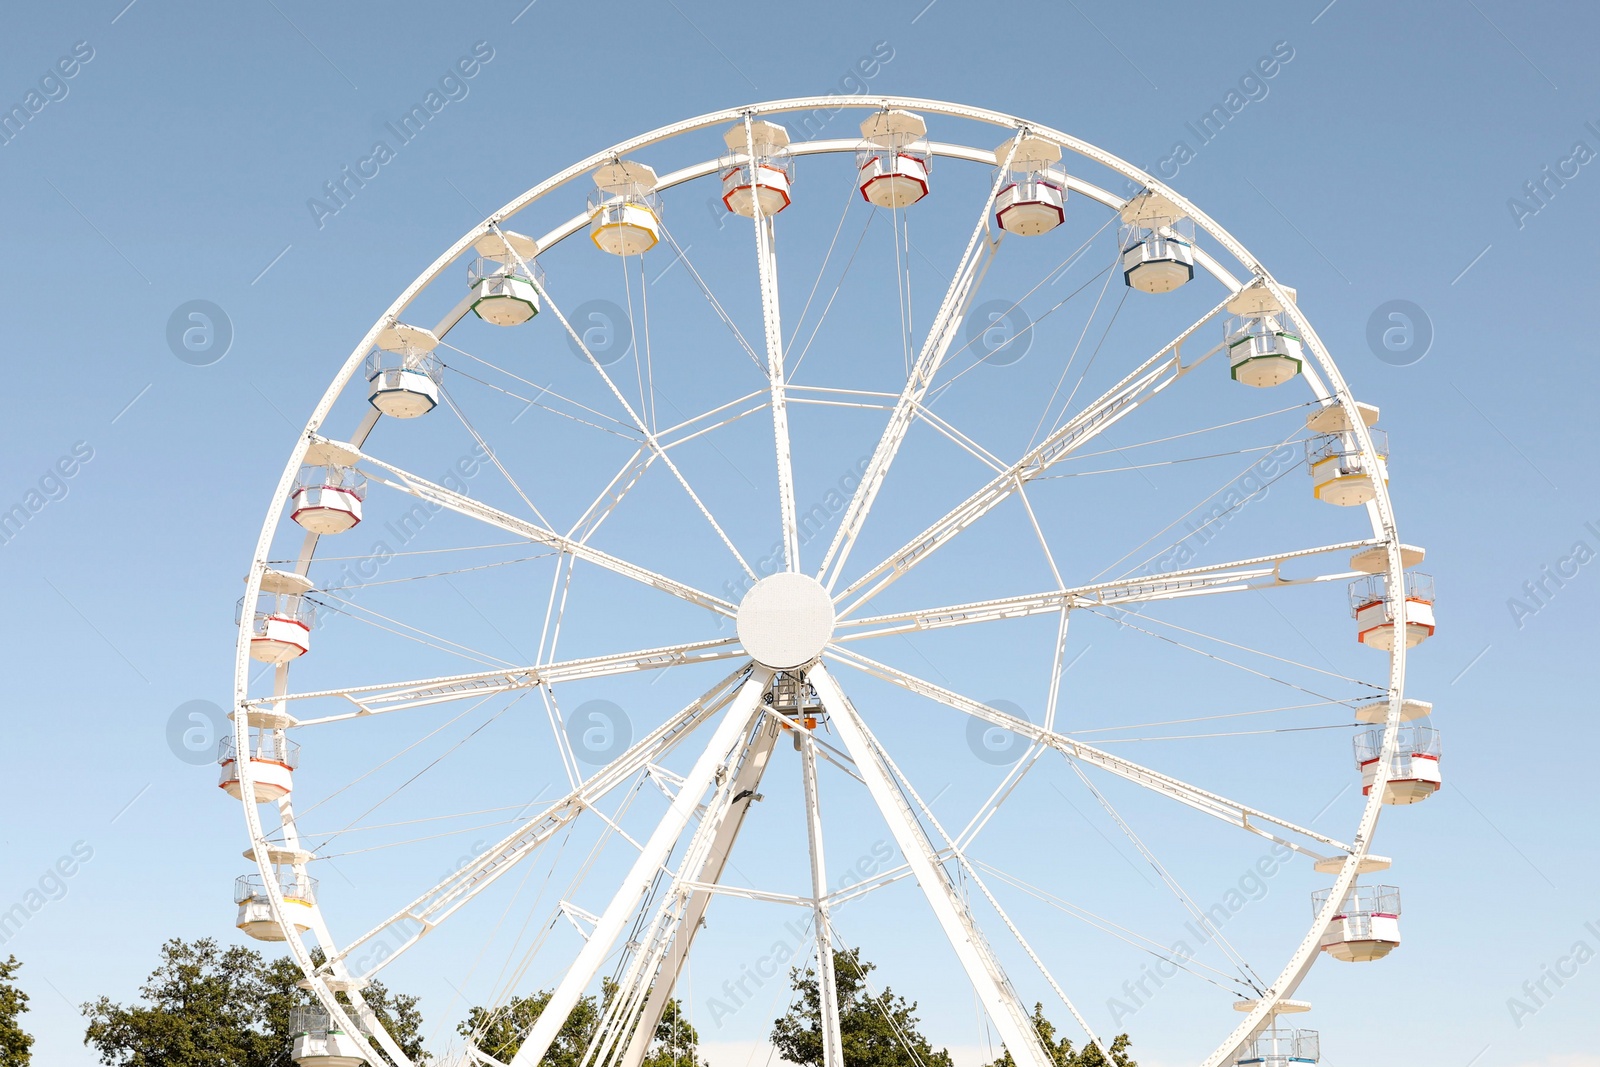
(826, 513)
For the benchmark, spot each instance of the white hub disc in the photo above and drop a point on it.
(785, 620)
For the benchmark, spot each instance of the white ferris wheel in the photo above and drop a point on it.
(570, 584)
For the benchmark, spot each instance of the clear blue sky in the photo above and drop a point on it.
(1387, 160)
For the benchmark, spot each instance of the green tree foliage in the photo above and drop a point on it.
(15, 1042)
(677, 1043)
(207, 1005)
(202, 1006)
(876, 1030)
(881, 1030)
(1061, 1052)
(499, 1032)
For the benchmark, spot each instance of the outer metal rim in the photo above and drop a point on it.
(1380, 510)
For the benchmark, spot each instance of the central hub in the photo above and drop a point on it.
(785, 620)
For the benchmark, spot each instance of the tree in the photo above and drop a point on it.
(15, 1042)
(210, 1006)
(203, 1009)
(875, 1030)
(499, 1032)
(1060, 1050)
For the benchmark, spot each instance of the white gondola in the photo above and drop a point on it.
(1284, 1006)
(1157, 244)
(1367, 926)
(505, 279)
(1372, 605)
(273, 759)
(1033, 197)
(1332, 418)
(768, 179)
(281, 618)
(1277, 1047)
(889, 172)
(1375, 560)
(1413, 773)
(299, 894)
(1376, 712)
(327, 500)
(318, 1042)
(1339, 471)
(402, 374)
(624, 211)
(1263, 348)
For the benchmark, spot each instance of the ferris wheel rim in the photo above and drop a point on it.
(1381, 513)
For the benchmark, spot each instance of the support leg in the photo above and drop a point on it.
(713, 762)
(977, 959)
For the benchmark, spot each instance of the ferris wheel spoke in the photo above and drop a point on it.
(1260, 572)
(941, 334)
(772, 329)
(380, 698)
(962, 440)
(1232, 812)
(434, 493)
(977, 958)
(1003, 791)
(663, 947)
(582, 414)
(438, 903)
(1127, 613)
(712, 768)
(1247, 974)
(828, 1016)
(690, 428)
(1145, 381)
(639, 424)
(955, 848)
(681, 254)
(612, 495)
